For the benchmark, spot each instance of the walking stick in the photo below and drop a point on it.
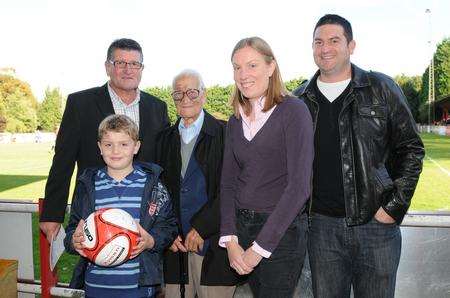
(182, 273)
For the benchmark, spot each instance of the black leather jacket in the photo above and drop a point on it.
(381, 150)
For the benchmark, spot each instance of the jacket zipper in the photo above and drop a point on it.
(350, 94)
(316, 113)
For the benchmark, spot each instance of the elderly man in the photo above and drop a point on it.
(77, 136)
(191, 154)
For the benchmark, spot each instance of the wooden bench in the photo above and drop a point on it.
(8, 278)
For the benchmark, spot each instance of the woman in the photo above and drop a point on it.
(266, 174)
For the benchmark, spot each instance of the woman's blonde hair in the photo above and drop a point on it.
(276, 89)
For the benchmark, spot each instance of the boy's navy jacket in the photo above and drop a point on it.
(162, 225)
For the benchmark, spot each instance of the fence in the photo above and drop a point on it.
(443, 130)
(34, 137)
(15, 226)
(424, 269)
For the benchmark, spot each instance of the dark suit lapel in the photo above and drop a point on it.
(104, 104)
(144, 120)
(103, 101)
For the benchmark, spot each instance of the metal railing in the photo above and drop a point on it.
(48, 285)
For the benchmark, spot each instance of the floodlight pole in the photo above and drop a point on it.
(431, 93)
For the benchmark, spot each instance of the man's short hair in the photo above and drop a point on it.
(334, 19)
(123, 44)
(118, 123)
(189, 73)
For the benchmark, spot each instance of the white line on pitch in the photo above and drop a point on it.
(438, 165)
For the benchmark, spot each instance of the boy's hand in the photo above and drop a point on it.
(194, 242)
(178, 245)
(145, 241)
(78, 238)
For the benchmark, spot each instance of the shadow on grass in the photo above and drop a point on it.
(13, 181)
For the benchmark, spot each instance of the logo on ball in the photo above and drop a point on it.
(110, 236)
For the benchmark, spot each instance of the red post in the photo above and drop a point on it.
(48, 278)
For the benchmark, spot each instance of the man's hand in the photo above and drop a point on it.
(383, 217)
(251, 257)
(78, 238)
(177, 245)
(193, 242)
(145, 241)
(50, 229)
(235, 256)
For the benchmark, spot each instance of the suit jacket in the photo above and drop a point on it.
(77, 141)
(208, 152)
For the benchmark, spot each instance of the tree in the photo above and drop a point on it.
(217, 102)
(49, 112)
(163, 93)
(442, 68)
(2, 115)
(17, 105)
(217, 99)
(411, 87)
(294, 84)
(441, 77)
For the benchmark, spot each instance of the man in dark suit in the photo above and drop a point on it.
(191, 154)
(77, 136)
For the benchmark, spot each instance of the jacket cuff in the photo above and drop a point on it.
(157, 243)
(396, 208)
(261, 251)
(224, 239)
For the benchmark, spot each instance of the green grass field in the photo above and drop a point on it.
(24, 169)
(433, 191)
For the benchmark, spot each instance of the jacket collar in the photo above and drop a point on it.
(209, 126)
(144, 116)
(360, 79)
(104, 103)
(103, 100)
(88, 175)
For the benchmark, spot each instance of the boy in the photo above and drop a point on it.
(135, 188)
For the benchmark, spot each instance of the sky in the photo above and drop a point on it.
(61, 43)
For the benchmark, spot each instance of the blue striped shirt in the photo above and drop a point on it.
(122, 280)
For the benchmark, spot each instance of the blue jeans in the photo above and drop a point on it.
(278, 275)
(365, 257)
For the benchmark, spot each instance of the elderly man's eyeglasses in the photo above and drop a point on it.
(192, 94)
(123, 64)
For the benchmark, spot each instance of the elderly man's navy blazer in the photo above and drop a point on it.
(208, 154)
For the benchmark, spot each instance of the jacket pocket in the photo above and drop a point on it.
(375, 111)
(383, 183)
(372, 120)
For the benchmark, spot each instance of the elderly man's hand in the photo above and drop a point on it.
(50, 229)
(177, 245)
(194, 242)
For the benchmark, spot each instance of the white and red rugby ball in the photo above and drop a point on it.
(110, 234)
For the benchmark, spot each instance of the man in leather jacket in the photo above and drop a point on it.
(368, 158)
